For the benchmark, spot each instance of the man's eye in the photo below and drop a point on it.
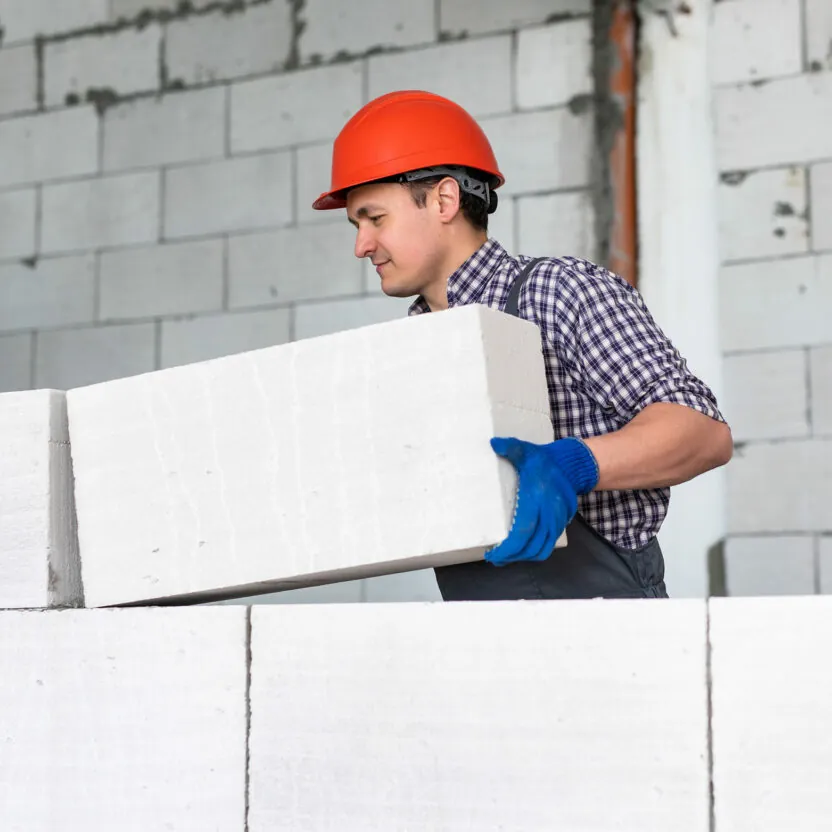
(375, 220)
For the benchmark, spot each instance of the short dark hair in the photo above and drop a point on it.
(474, 209)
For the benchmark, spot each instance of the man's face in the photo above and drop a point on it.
(402, 240)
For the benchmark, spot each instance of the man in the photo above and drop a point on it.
(417, 177)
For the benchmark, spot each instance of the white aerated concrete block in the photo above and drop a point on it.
(766, 396)
(480, 717)
(770, 565)
(38, 544)
(819, 34)
(772, 713)
(48, 146)
(15, 361)
(776, 303)
(290, 264)
(356, 454)
(179, 127)
(757, 40)
(749, 136)
(763, 214)
(475, 73)
(98, 213)
(218, 46)
(458, 17)
(780, 487)
(820, 364)
(18, 79)
(129, 720)
(18, 223)
(274, 112)
(542, 150)
(124, 62)
(23, 19)
(333, 29)
(821, 188)
(554, 63)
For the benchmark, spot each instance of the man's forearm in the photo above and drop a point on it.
(666, 444)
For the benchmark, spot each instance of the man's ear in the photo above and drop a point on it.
(448, 198)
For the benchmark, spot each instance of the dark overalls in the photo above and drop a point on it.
(589, 566)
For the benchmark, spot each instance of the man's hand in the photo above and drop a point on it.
(550, 478)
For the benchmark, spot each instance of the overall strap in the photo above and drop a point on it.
(513, 301)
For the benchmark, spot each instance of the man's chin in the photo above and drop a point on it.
(393, 290)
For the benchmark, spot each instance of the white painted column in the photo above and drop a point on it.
(679, 259)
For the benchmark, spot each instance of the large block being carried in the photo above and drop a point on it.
(351, 455)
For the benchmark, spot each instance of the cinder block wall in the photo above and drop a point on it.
(158, 160)
(772, 67)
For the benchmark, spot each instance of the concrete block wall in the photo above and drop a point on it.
(461, 717)
(772, 70)
(158, 161)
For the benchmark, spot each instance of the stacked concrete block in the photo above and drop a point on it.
(221, 46)
(775, 304)
(484, 89)
(766, 395)
(51, 292)
(329, 30)
(16, 361)
(18, 79)
(764, 214)
(456, 18)
(171, 129)
(332, 458)
(203, 337)
(754, 565)
(742, 40)
(55, 145)
(749, 135)
(770, 64)
(123, 719)
(820, 177)
(121, 63)
(38, 544)
(23, 20)
(818, 34)
(820, 362)
(18, 223)
(480, 717)
(772, 714)
(74, 357)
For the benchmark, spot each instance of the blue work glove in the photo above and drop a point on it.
(550, 478)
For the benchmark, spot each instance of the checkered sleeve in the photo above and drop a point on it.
(608, 343)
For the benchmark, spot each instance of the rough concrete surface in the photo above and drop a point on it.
(342, 456)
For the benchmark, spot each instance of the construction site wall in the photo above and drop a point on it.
(772, 71)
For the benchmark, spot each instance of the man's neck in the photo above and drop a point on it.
(436, 295)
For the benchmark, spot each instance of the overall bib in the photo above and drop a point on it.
(589, 566)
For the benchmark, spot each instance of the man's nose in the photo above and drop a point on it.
(365, 245)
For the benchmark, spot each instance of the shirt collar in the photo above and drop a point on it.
(467, 283)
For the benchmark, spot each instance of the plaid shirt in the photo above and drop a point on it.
(606, 359)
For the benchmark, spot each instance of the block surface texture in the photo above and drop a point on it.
(355, 454)
(772, 713)
(123, 719)
(480, 717)
(38, 544)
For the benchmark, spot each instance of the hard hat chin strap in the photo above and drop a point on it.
(469, 184)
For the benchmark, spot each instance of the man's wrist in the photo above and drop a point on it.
(577, 462)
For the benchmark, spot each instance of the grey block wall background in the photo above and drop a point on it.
(772, 70)
(158, 160)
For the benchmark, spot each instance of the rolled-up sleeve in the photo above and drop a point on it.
(609, 344)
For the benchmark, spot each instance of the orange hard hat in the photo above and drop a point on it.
(401, 132)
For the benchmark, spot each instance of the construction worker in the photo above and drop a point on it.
(418, 179)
